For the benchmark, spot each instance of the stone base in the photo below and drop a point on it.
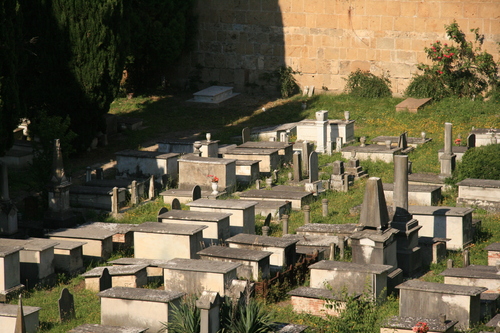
(6, 295)
(409, 261)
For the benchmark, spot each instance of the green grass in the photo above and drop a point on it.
(171, 115)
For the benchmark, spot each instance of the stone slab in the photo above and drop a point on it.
(435, 287)
(473, 271)
(115, 270)
(234, 253)
(85, 231)
(317, 293)
(38, 244)
(486, 183)
(213, 95)
(350, 267)
(96, 328)
(196, 265)
(412, 104)
(262, 240)
(327, 229)
(139, 294)
(440, 210)
(169, 228)
(297, 198)
(6, 250)
(225, 204)
(138, 261)
(407, 323)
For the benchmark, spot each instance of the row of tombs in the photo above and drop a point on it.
(385, 245)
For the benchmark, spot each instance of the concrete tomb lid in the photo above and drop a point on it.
(85, 231)
(197, 265)
(66, 244)
(226, 204)
(5, 250)
(435, 325)
(10, 310)
(146, 154)
(261, 240)
(318, 293)
(374, 209)
(313, 240)
(375, 235)
(205, 160)
(265, 144)
(119, 228)
(488, 183)
(440, 210)
(39, 244)
(115, 270)
(251, 151)
(473, 271)
(485, 131)
(413, 188)
(169, 228)
(350, 266)
(234, 253)
(141, 294)
(247, 162)
(139, 261)
(96, 328)
(328, 228)
(442, 288)
(275, 194)
(493, 247)
(188, 215)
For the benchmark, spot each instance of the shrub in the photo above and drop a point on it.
(185, 318)
(461, 69)
(284, 79)
(365, 84)
(480, 163)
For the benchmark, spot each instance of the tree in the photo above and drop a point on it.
(9, 96)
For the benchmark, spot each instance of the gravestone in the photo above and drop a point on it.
(176, 205)
(267, 222)
(66, 306)
(151, 192)
(297, 167)
(20, 325)
(338, 144)
(161, 211)
(105, 281)
(471, 140)
(196, 192)
(403, 141)
(448, 159)
(313, 167)
(245, 135)
(307, 148)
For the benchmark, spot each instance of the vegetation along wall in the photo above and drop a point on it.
(325, 40)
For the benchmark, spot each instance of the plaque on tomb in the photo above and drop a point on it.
(176, 205)
(105, 280)
(245, 135)
(161, 211)
(196, 192)
(313, 167)
(66, 306)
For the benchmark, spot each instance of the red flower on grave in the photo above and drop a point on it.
(458, 142)
(214, 178)
(421, 327)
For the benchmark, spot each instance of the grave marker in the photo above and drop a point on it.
(66, 306)
(161, 211)
(297, 167)
(176, 205)
(196, 194)
(313, 167)
(105, 280)
(245, 135)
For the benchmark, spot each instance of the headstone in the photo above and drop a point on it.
(306, 151)
(307, 214)
(134, 197)
(310, 91)
(297, 167)
(151, 193)
(161, 211)
(105, 280)
(66, 306)
(209, 303)
(449, 263)
(20, 325)
(313, 167)
(403, 141)
(338, 168)
(466, 258)
(321, 124)
(245, 135)
(176, 205)
(324, 204)
(196, 192)
(471, 140)
(285, 224)
(267, 222)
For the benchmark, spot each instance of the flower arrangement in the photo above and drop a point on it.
(421, 327)
(458, 141)
(215, 179)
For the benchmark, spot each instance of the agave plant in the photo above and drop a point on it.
(184, 318)
(249, 317)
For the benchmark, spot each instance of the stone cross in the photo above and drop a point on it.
(297, 167)
(66, 306)
(20, 325)
(105, 281)
(245, 135)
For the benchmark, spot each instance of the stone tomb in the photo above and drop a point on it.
(247, 171)
(454, 223)
(99, 241)
(285, 150)
(194, 276)
(242, 219)
(96, 328)
(141, 185)
(486, 136)
(8, 317)
(307, 245)
(136, 307)
(418, 195)
(273, 132)
(317, 301)
(483, 193)
(10, 276)
(36, 260)
(350, 277)
(165, 241)
(132, 276)
(429, 299)
(213, 95)
(68, 257)
(254, 263)
(372, 152)
(307, 130)
(493, 254)
(274, 207)
(96, 197)
(405, 325)
(135, 163)
(474, 276)
(413, 142)
(296, 196)
(432, 250)
(218, 223)
(195, 170)
(155, 273)
(320, 229)
(123, 237)
(283, 249)
(268, 157)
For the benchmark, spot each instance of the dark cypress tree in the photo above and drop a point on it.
(9, 97)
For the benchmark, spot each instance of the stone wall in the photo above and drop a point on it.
(325, 40)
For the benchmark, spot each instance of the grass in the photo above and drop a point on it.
(171, 116)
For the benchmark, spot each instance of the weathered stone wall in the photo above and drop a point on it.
(325, 40)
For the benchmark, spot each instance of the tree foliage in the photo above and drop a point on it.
(461, 68)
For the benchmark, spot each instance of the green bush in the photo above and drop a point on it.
(365, 84)
(480, 163)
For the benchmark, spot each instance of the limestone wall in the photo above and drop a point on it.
(325, 40)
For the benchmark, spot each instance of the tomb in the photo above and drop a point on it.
(166, 241)
(96, 197)
(493, 253)
(194, 276)
(285, 150)
(96, 328)
(268, 157)
(254, 263)
(247, 171)
(418, 195)
(68, 257)
(355, 279)
(447, 159)
(142, 164)
(372, 152)
(317, 301)
(454, 223)
(274, 133)
(432, 250)
(10, 273)
(154, 272)
(218, 223)
(131, 276)
(137, 307)
(485, 136)
(474, 276)
(308, 129)
(99, 241)
(307, 245)
(195, 170)
(283, 249)
(274, 207)
(320, 229)
(429, 299)
(123, 237)
(410, 141)
(242, 219)
(36, 260)
(406, 325)
(295, 196)
(8, 318)
(213, 95)
(481, 193)
(176, 147)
